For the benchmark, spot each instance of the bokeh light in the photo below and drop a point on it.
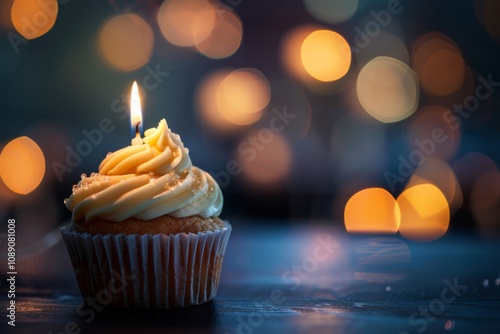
(434, 132)
(439, 64)
(291, 46)
(232, 98)
(186, 22)
(206, 102)
(291, 49)
(265, 157)
(387, 89)
(372, 210)
(332, 11)
(439, 80)
(439, 173)
(126, 42)
(225, 36)
(22, 165)
(245, 90)
(34, 18)
(487, 11)
(325, 55)
(458, 97)
(242, 95)
(425, 214)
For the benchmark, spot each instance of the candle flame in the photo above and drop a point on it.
(135, 110)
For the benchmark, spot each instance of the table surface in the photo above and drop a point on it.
(294, 278)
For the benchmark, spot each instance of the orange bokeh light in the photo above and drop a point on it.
(34, 18)
(225, 36)
(268, 161)
(227, 98)
(425, 215)
(22, 165)
(440, 174)
(242, 95)
(462, 94)
(439, 80)
(372, 210)
(206, 100)
(246, 90)
(439, 64)
(186, 22)
(325, 55)
(291, 50)
(126, 42)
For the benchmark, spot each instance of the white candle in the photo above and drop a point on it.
(135, 114)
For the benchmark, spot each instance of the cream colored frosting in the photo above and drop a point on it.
(146, 181)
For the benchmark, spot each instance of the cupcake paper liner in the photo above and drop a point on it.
(147, 271)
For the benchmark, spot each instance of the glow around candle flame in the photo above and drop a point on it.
(135, 110)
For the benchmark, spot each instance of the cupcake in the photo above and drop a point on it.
(145, 231)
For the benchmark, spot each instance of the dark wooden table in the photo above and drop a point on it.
(293, 278)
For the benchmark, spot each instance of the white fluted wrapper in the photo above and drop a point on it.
(148, 271)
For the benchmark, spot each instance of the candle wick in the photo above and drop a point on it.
(137, 128)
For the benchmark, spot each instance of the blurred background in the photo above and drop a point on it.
(374, 116)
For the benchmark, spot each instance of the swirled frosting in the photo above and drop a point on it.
(147, 181)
